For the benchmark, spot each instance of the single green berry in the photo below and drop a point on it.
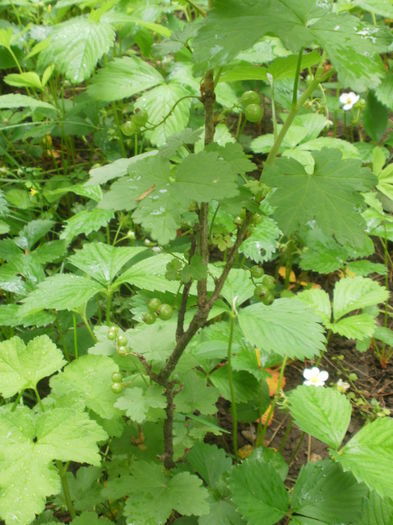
(112, 333)
(268, 298)
(117, 388)
(122, 350)
(131, 235)
(117, 377)
(249, 97)
(140, 118)
(260, 291)
(256, 272)
(268, 281)
(253, 113)
(149, 318)
(165, 312)
(154, 304)
(128, 128)
(238, 220)
(122, 340)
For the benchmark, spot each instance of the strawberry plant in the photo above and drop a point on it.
(195, 212)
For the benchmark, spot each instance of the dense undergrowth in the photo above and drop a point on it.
(195, 197)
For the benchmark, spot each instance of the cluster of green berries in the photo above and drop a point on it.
(157, 309)
(138, 121)
(117, 382)
(252, 106)
(264, 290)
(121, 340)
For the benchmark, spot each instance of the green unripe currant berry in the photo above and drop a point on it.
(268, 298)
(128, 128)
(117, 388)
(154, 304)
(149, 318)
(122, 340)
(256, 272)
(112, 332)
(253, 113)
(165, 312)
(117, 377)
(250, 97)
(122, 350)
(260, 291)
(131, 235)
(140, 118)
(238, 220)
(268, 281)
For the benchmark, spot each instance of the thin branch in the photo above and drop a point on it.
(168, 426)
(292, 114)
(197, 8)
(201, 315)
(184, 297)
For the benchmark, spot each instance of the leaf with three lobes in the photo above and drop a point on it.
(85, 489)
(331, 196)
(153, 494)
(30, 443)
(351, 45)
(103, 262)
(23, 366)
(136, 402)
(196, 395)
(90, 377)
(209, 461)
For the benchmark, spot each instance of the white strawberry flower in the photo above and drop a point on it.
(315, 377)
(342, 386)
(348, 100)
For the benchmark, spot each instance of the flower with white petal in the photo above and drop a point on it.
(314, 377)
(342, 386)
(348, 100)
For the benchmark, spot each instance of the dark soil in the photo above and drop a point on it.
(373, 383)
